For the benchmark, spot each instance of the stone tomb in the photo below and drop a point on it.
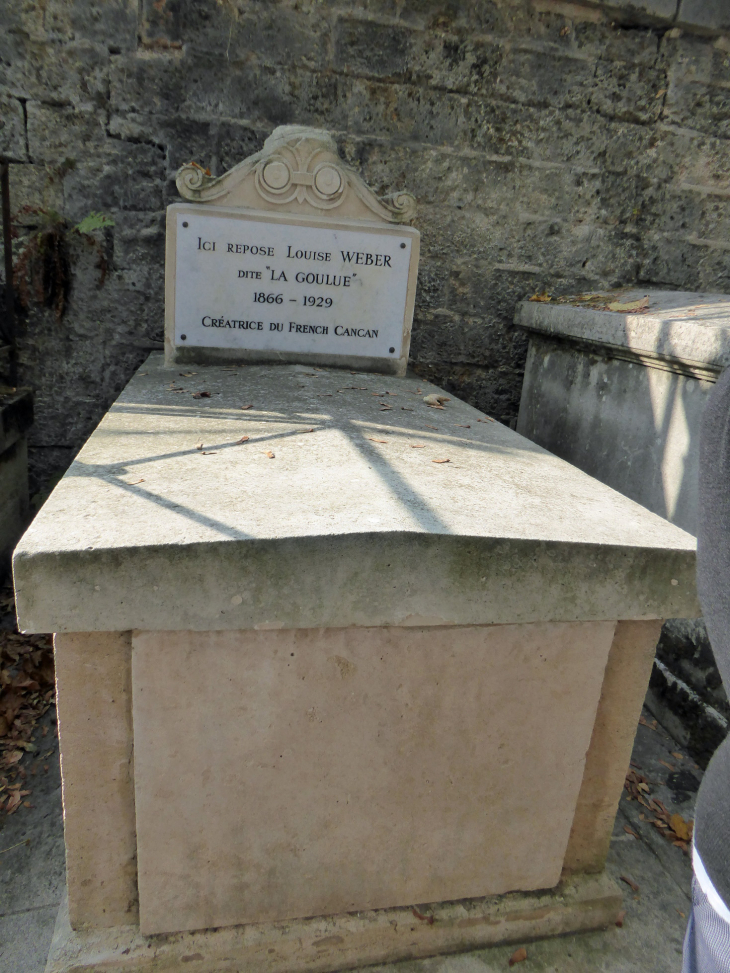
(342, 678)
(290, 257)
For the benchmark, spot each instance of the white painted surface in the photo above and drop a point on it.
(267, 283)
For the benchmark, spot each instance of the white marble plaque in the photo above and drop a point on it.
(283, 284)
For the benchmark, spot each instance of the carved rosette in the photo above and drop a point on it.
(296, 164)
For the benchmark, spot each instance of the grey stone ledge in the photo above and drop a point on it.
(680, 328)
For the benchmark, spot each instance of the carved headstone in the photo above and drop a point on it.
(290, 257)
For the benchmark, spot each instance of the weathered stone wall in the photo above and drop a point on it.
(551, 145)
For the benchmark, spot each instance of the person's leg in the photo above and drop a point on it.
(707, 940)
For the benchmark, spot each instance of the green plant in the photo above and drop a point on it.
(43, 270)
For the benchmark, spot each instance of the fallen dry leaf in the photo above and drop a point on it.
(620, 918)
(631, 831)
(430, 427)
(519, 956)
(419, 915)
(199, 446)
(247, 407)
(630, 882)
(542, 298)
(417, 445)
(676, 755)
(372, 440)
(462, 426)
(201, 395)
(631, 305)
(243, 439)
(440, 460)
(680, 827)
(209, 452)
(486, 419)
(270, 454)
(682, 914)
(135, 482)
(651, 726)
(436, 401)
(667, 765)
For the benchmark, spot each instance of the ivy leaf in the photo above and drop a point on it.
(94, 221)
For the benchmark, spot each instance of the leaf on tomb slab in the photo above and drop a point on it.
(667, 765)
(430, 427)
(651, 726)
(630, 305)
(630, 831)
(418, 445)
(13, 757)
(486, 419)
(243, 439)
(462, 426)
(135, 482)
(680, 827)
(541, 298)
(630, 882)
(209, 452)
(419, 915)
(247, 406)
(270, 454)
(372, 440)
(676, 755)
(436, 401)
(182, 374)
(440, 460)
(199, 446)
(620, 918)
(201, 395)
(519, 956)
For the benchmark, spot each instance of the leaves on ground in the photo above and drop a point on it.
(247, 406)
(672, 826)
(436, 401)
(651, 726)
(440, 460)
(418, 445)
(541, 298)
(519, 956)
(373, 440)
(620, 918)
(629, 830)
(27, 683)
(486, 419)
(201, 395)
(270, 454)
(243, 439)
(419, 915)
(630, 882)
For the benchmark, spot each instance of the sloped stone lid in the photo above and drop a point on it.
(170, 519)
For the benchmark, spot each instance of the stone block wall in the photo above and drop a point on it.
(560, 146)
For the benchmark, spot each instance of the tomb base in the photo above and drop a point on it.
(346, 941)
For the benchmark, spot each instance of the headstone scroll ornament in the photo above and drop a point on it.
(296, 165)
